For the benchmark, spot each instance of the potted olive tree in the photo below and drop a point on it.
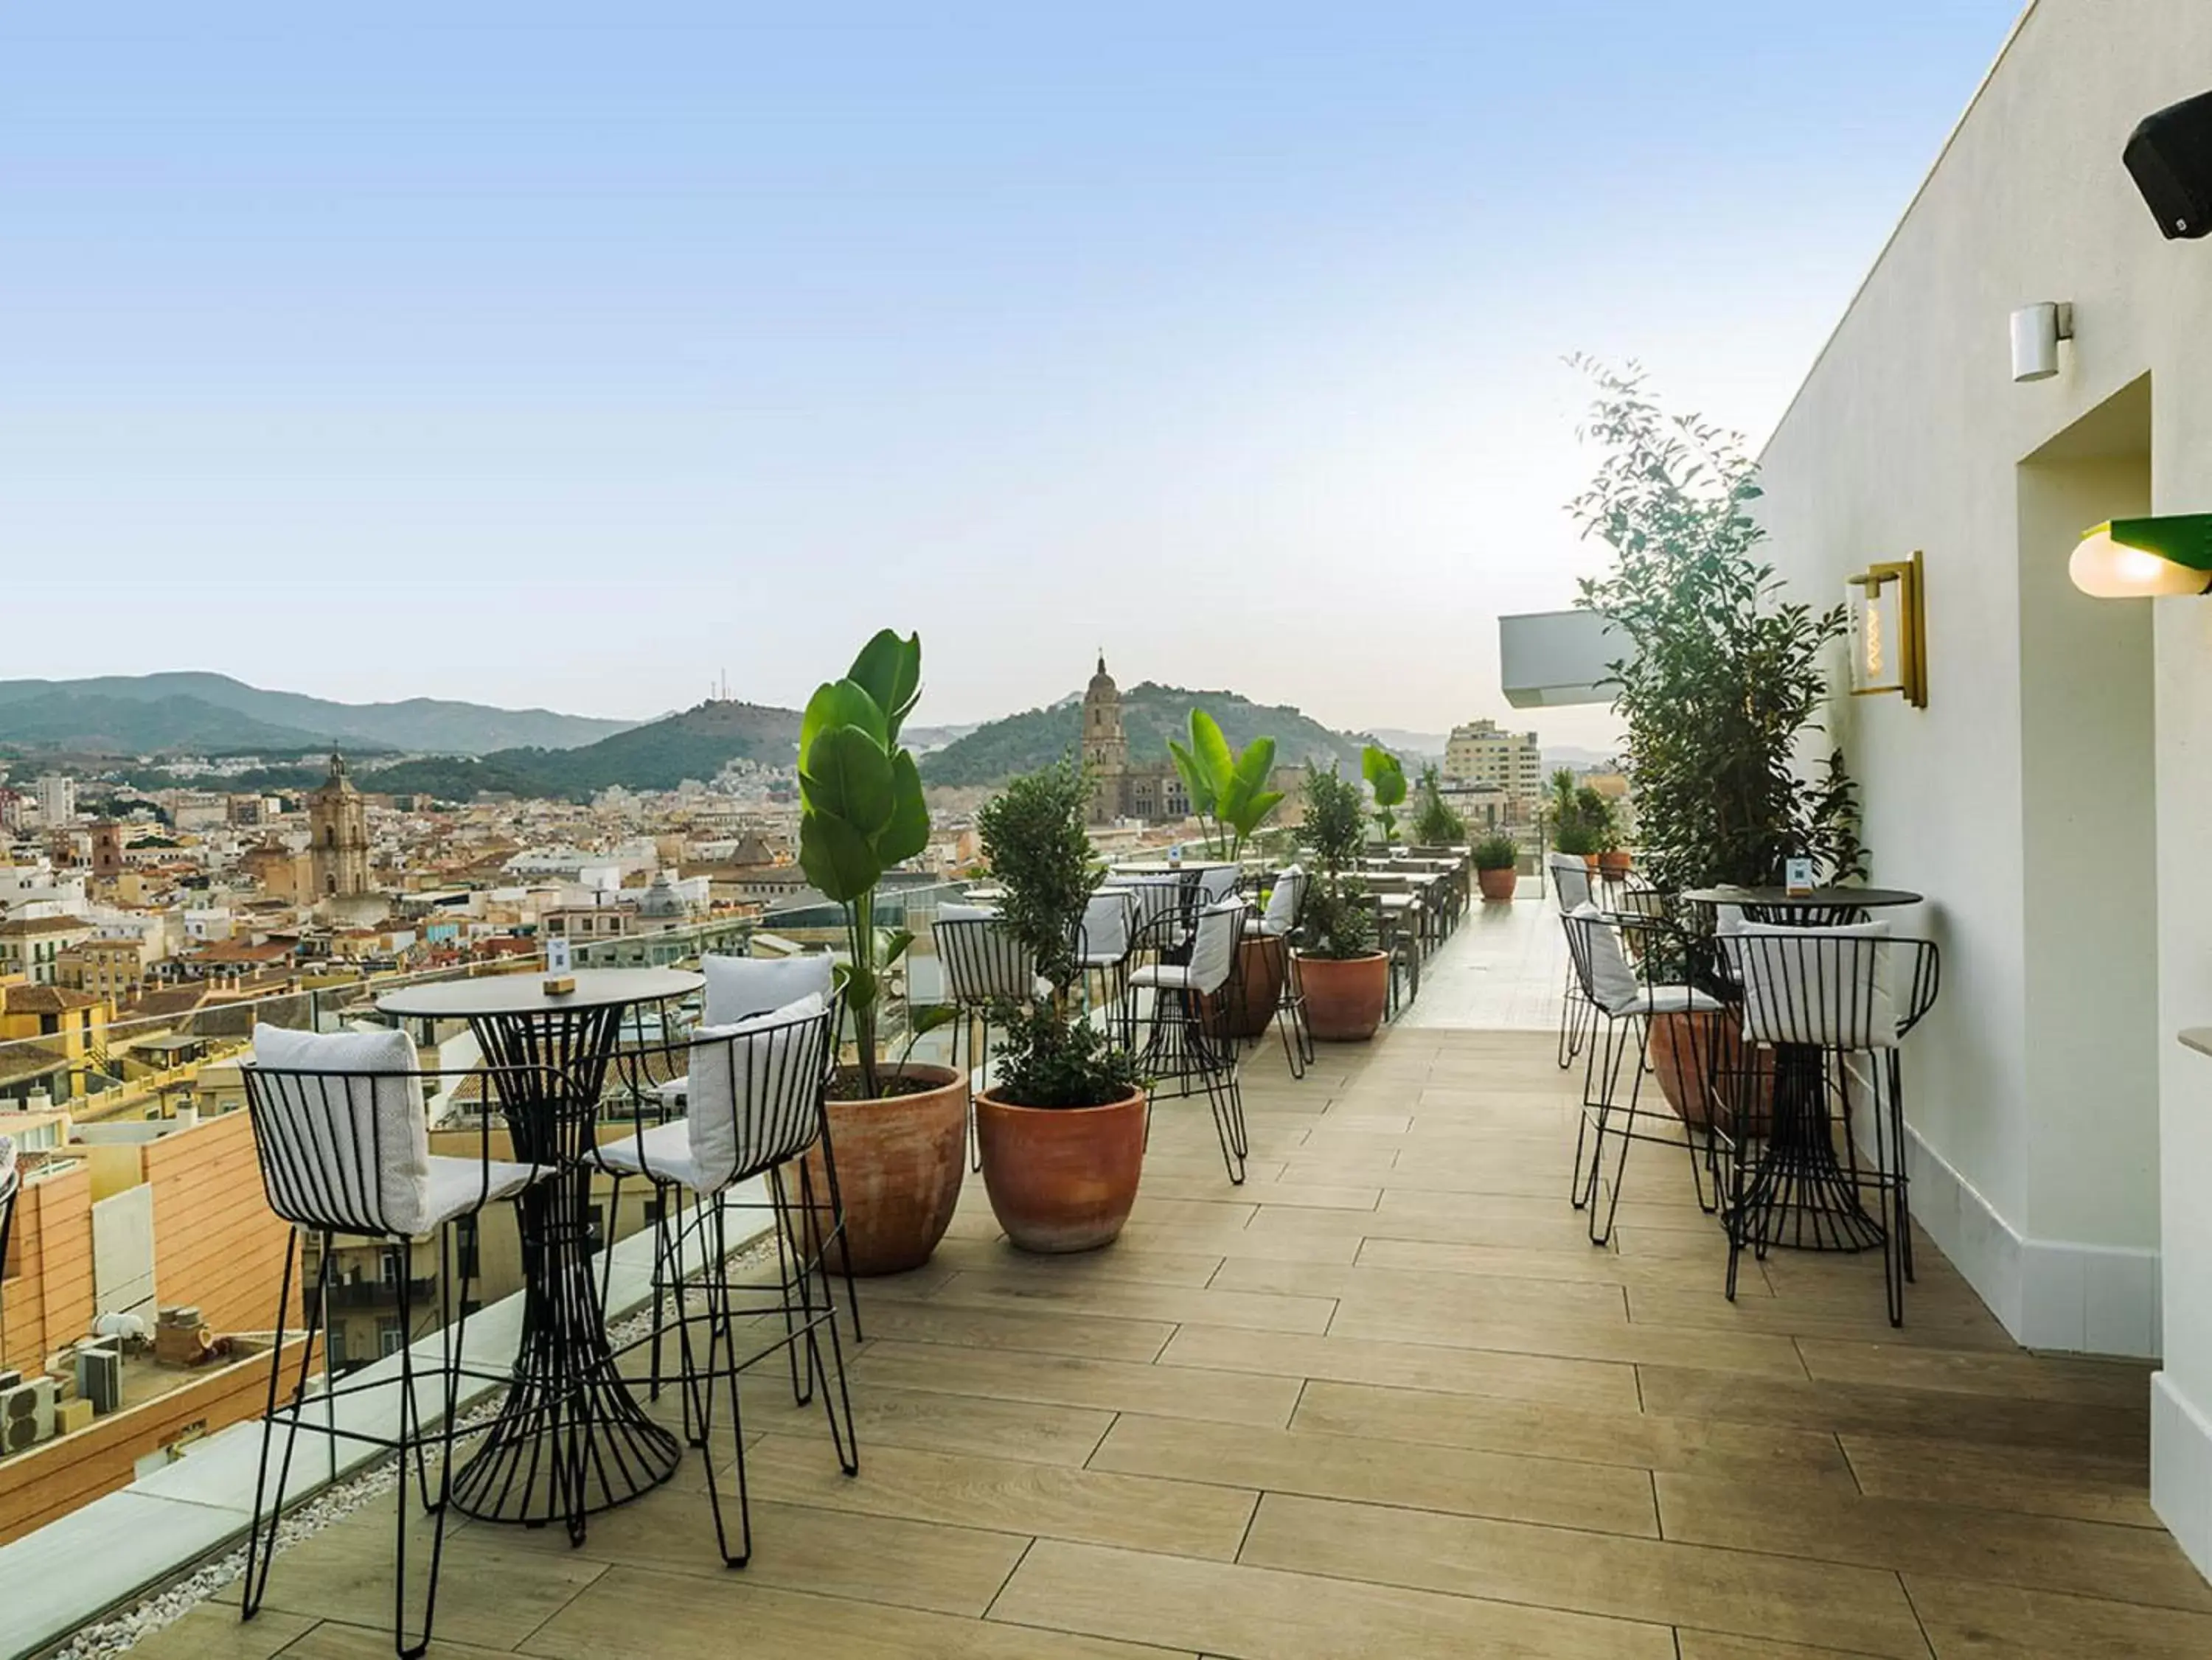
(1497, 861)
(1061, 1131)
(1346, 980)
(1722, 684)
(899, 1131)
(1437, 822)
(1228, 794)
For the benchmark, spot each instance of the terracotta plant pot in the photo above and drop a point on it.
(900, 1162)
(1245, 1010)
(1615, 864)
(1061, 1179)
(1683, 1045)
(1345, 999)
(1498, 884)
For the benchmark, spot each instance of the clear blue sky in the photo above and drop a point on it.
(575, 355)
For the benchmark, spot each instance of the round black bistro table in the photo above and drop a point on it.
(1800, 1197)
(570, 1438)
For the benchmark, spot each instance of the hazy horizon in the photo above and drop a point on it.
(532, 359)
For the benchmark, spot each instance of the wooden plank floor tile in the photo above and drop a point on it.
(1604, 1499)
(875, 1558)
(936, 1422)
(1409, 1366)
(1188, 1518)
(1122, 1260)
(1647, 1579)
(1966, 1620)
(931, 1321)
(1546, 1430)
(1705, 1309)
(213, 1631)
(1072, 1380)
(1470, 1293)
(1568, 1334)
(634, 1614)
(2136, 1565)
(2034, 1481)
(1579, 1261)
(344, 1573)
(1126, 1300)
(1251, 1614)
(2016, 1376)
(1873, 1409)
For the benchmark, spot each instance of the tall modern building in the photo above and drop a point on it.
(1479, 753)
(57, 800)
(337, 818)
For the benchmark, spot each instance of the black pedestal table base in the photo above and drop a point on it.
(570, 1439)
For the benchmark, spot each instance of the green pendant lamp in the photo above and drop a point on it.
(2136, 558)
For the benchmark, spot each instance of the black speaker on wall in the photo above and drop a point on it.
(2170, 153)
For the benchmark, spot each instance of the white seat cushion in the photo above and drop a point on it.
(966, 912)
(738, 988)
(1613, 985)
(457, 1186)
(1680, 1000)
(663, 1152)
(1163, 976)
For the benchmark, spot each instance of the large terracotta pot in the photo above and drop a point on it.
(1684, 1046)
(1061, 1179)
(1345, 999)
(1245, 1010)
(1497, 884)
(1615, 864)
(900, 1162)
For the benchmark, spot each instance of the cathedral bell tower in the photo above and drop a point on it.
(1105, 750)
(337, 818)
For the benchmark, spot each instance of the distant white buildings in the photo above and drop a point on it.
(56, 793)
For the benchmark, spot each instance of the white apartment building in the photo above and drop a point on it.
(57, 800)
(1480, 752)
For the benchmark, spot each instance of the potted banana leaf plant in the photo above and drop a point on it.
(1228, 794)
(899, 1130)
(1385, 776)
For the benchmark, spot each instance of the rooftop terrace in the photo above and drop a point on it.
(1384, 1399)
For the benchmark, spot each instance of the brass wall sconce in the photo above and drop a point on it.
(1889, 631)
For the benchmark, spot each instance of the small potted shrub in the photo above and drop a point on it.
(1346, 980)
(1496, 859)
(899, 1132)
(1437, 822)
(1602, 820)
(1062, 1131)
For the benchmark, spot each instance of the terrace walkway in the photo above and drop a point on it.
(1384, 1400)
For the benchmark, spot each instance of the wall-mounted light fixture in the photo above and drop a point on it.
(1889, 631)
(2036, 331)
(2136, 558)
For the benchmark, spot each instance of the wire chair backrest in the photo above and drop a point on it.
(340, 1129)
(1218, 883)
(1571, 879)
(1830, 987)
(984, 963)
(1213, 952)
(1157, 895)
(738, 988)
(1108, 928)
(756, 1094)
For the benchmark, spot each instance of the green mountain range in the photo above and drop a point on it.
(1151, 715)
(194, 713)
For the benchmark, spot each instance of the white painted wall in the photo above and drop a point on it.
(2055, 795)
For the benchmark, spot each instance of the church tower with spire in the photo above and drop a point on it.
(337, 819)
(1105, 750)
